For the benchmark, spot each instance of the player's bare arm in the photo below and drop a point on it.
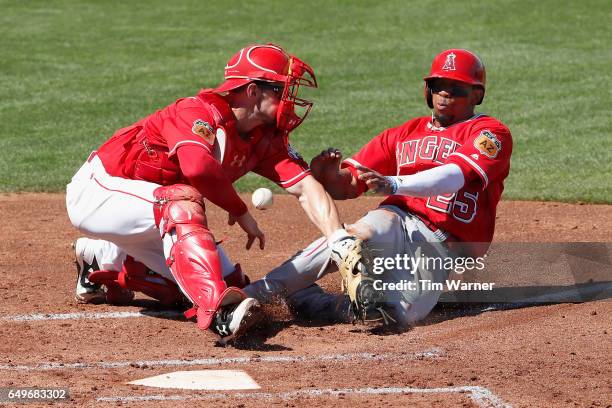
(347, 251)
(339, 183)
(249, 225)
(317, 204)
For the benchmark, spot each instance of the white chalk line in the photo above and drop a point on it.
(90, 315)
(431, 353)
(482, 396)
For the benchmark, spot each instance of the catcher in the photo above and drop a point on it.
(443, 175)
(141, 194)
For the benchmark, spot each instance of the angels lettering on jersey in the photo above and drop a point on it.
(431, 148)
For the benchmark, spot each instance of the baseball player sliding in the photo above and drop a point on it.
(140, 197)
(443, 175)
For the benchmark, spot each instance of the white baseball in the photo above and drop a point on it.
(262, 198)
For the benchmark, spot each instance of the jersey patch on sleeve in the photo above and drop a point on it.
(202, 128)
(488, 144)
(293, 153)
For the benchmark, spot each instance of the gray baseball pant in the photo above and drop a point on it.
(389, 232)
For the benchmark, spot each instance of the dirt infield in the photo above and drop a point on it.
(549, 355)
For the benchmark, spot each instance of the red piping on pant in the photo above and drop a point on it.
(123, 192)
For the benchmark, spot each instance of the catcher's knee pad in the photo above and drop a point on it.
(193, 259)
(178, 204)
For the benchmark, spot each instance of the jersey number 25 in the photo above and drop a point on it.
(461, 205)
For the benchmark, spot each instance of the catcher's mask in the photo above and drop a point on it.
(460, 65)
(270, 63)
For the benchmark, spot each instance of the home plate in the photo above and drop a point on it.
(201, 380)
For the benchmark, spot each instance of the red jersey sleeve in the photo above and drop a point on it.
(190, 123)
(485, 155)
(206, 174)
(378, 154)
(282, 164)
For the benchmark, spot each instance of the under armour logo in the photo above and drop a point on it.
(223, 330)
(238, 161)
(449, 64)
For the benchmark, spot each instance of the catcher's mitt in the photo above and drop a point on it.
(355, 264)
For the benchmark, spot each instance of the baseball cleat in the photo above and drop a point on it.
(232, 321)
(86, 263)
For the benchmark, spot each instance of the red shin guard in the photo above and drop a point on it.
(194, 260)
(136, 277)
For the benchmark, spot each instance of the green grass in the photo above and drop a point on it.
(71, 72)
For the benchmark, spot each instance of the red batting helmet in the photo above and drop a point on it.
(460, 65)
(269, 62)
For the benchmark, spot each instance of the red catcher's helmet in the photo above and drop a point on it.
(460, 65)
(269, 62)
